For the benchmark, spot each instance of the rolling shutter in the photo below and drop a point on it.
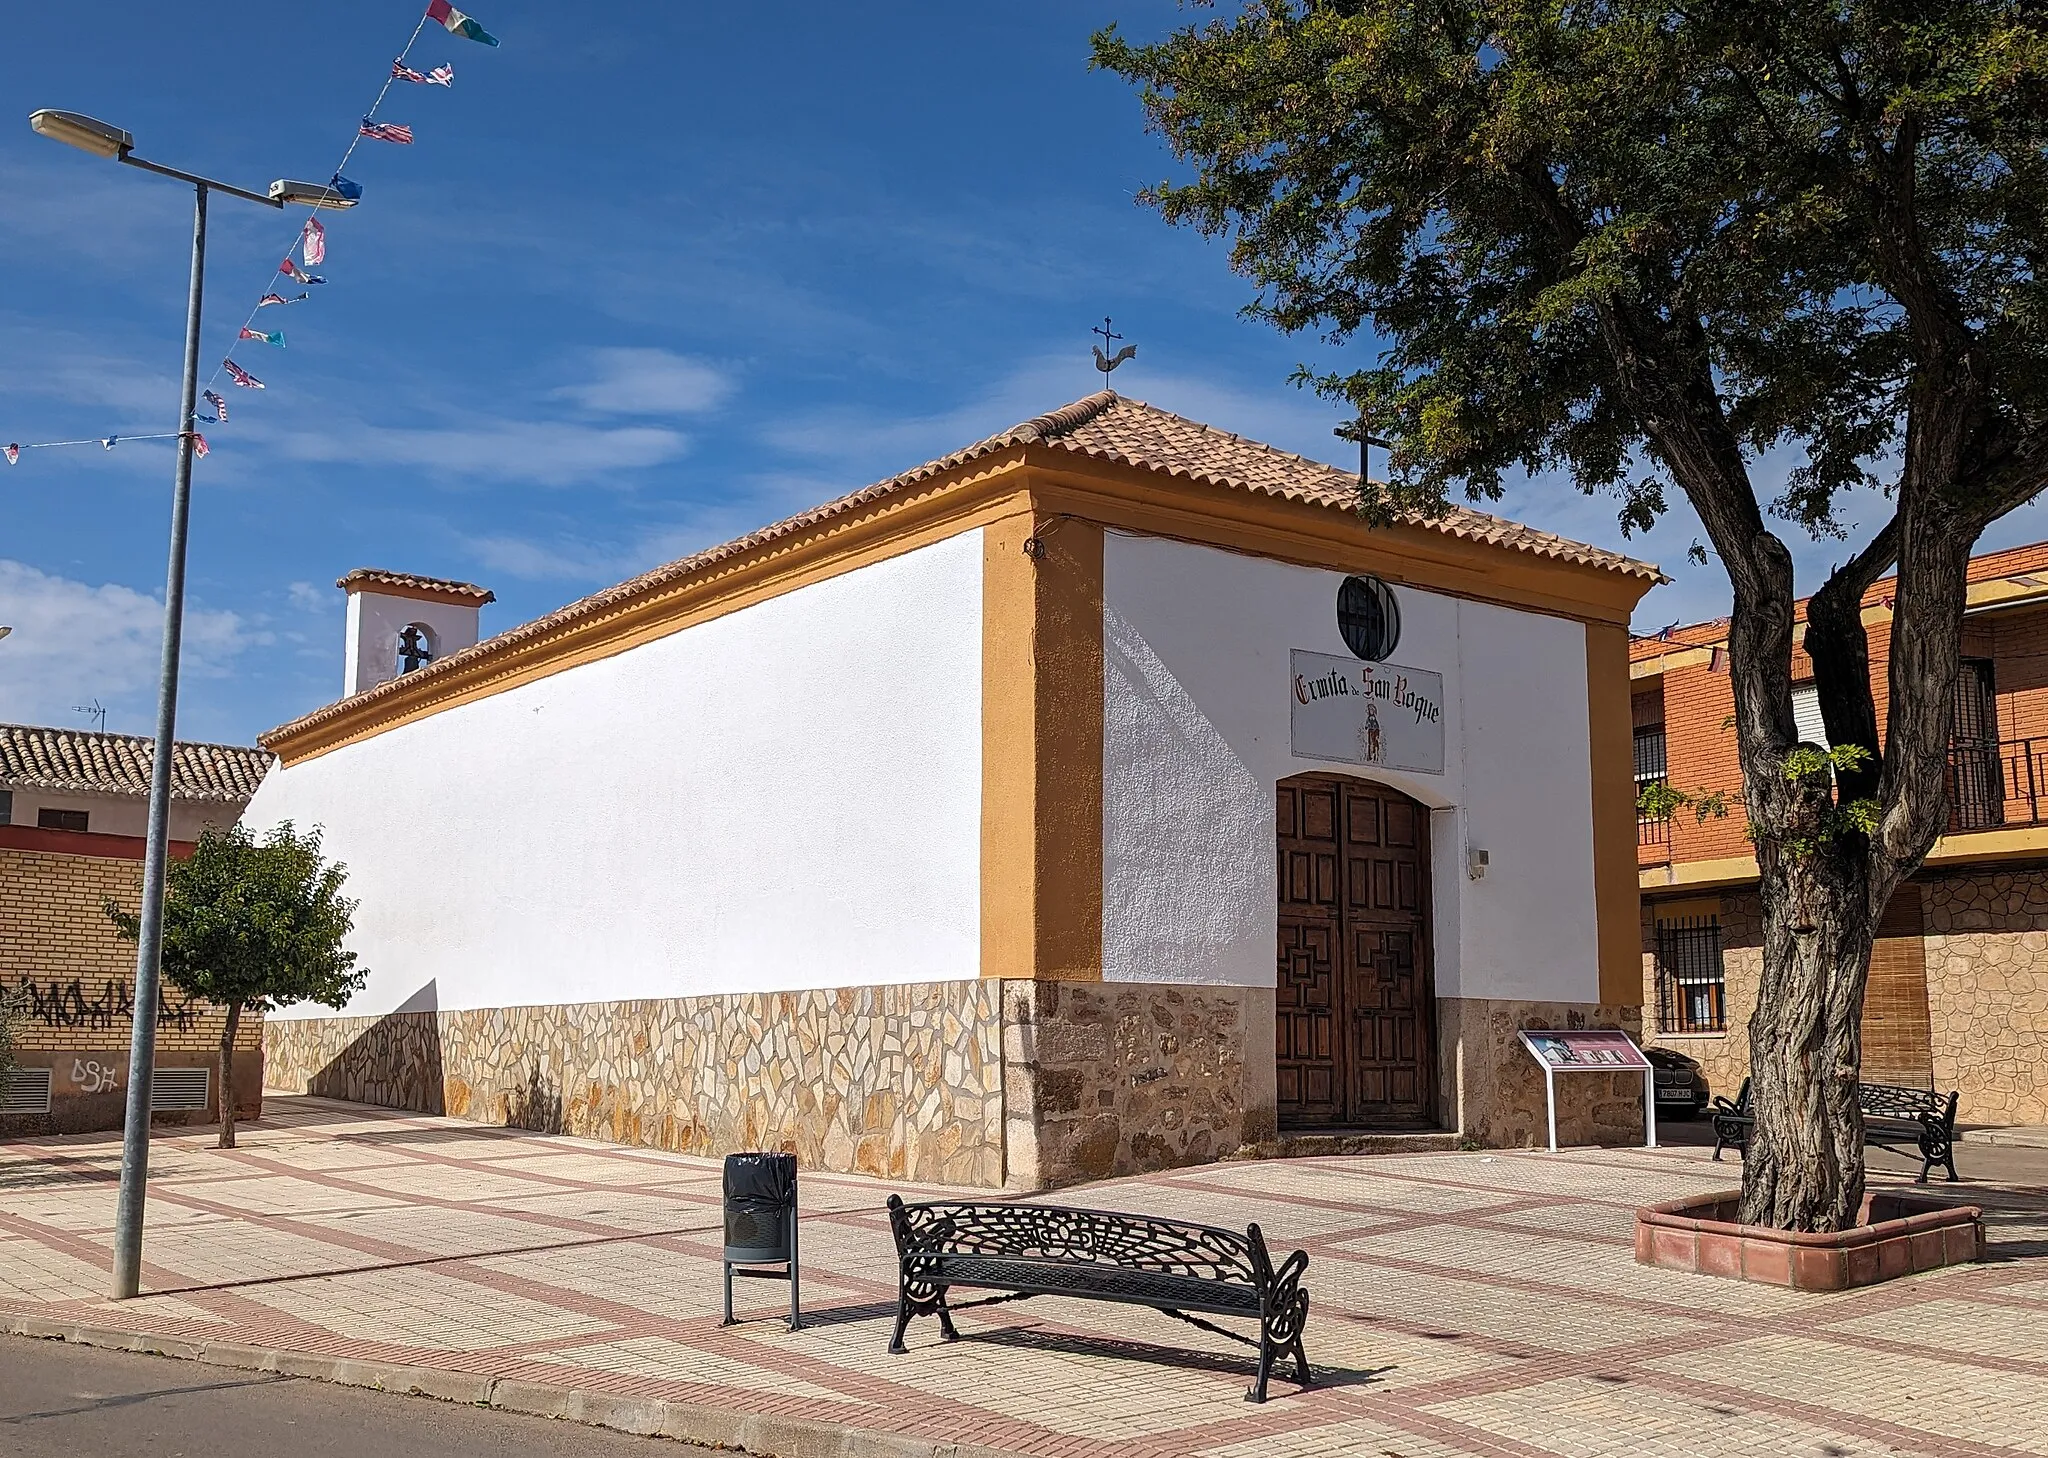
(1806, 716)
(1897, 1036)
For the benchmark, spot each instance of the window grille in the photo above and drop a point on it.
(1691, 982)
(48, 818)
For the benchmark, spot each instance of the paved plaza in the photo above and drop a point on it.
(1482, 1303)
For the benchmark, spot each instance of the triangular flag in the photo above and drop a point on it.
(456, 23)
(276, 338)
(108, 442)
(268, 299)
(443, 75)
(199, 446)
(313, 242)
(13, 453)
(298, 275)
(341, 187)
(402, 72)
(241, 376)
(220, 407)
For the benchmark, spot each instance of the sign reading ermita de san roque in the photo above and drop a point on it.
(1366, 713)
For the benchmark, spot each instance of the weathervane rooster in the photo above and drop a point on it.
(1108, 362)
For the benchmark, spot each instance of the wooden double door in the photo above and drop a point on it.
(1355, 1032)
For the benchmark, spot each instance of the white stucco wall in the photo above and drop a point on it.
(785, 797)
(1196, 687)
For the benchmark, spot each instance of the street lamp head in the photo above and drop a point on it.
(5, 630)
(308, 195)
(83, 132)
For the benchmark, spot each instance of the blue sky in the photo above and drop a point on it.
(653, 275)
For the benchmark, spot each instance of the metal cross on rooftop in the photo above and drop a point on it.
(1108, 362)
(1359, 431)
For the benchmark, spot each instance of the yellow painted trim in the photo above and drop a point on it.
(1688, 906)
(1310, 535)
(1664, 662)
(1041, 712)
(1008, 753)
(971, 495)
(837, 546)
(1616, 901)
(2020, 842)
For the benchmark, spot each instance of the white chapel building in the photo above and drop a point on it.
(1103, 796)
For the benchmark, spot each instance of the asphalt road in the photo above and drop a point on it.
(61, 1399)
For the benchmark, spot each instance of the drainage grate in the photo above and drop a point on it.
(26, 1091)
(178, 1088)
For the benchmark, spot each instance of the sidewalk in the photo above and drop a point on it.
(1464, 1303)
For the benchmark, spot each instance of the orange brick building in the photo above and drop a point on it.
(1958, 994)
(73, 812)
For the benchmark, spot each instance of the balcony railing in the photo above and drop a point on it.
(1990, 785)
(1653, 831)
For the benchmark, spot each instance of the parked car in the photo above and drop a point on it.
(1681, 1087)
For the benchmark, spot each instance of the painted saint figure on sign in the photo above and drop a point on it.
(1370, 734)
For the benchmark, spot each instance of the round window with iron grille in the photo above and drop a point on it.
(1368, 617)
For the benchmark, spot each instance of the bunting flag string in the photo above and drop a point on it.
(310, 244)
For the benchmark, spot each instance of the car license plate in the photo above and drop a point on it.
(1674, 1095)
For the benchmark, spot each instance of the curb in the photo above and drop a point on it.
(763, 1434)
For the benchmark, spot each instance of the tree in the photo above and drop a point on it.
(11, 1018)
(251, 926)
(1643, 244)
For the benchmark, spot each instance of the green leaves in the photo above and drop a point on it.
(258, 924)
(1580, 231)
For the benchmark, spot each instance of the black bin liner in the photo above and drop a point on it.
(760, 1207)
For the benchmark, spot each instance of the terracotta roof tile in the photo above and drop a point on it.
(82, 761)
(1105, 426)
(379, 577)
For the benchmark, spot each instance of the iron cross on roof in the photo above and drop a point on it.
(1357, 430)
(1108, 362)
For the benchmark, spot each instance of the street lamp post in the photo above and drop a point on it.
(103, 140)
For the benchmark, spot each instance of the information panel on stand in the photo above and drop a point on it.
(1590, 1050)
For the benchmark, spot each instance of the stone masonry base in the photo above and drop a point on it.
(1014, 1084)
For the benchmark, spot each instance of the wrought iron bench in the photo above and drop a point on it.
(1046, 1250)
(1889, 1110)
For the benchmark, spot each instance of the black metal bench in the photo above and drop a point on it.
(1047, 1250)
(1889, 1110)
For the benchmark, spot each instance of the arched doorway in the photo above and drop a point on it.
(1355, 1043)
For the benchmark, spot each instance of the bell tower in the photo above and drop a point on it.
(399, 623)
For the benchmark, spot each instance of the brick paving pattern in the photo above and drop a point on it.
(1463, 1303)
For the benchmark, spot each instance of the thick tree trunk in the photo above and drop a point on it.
(1804, 1166)
(227, 1075)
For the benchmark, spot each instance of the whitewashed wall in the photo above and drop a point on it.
(785, 797)
(1196, 685)
(374, 621)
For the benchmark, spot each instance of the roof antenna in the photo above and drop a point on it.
(1108, 362)
(95, 711)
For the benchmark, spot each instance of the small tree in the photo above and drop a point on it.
(253, 925)
(1646, 244)
(11, 1019)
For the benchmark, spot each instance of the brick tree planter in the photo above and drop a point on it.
(1895, 1235)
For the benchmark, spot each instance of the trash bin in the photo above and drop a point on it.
(760, 1222)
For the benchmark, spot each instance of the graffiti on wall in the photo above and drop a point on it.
(60, 1004)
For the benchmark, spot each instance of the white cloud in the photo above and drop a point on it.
(538, 452)
(620, 381)
(73, 642)
(308, 598)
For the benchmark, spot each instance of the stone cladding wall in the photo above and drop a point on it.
(1115, 1078)
(1987, 993)
(1496, 1089)
(60, 955)
(1722, 1057)
(900, 1081)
